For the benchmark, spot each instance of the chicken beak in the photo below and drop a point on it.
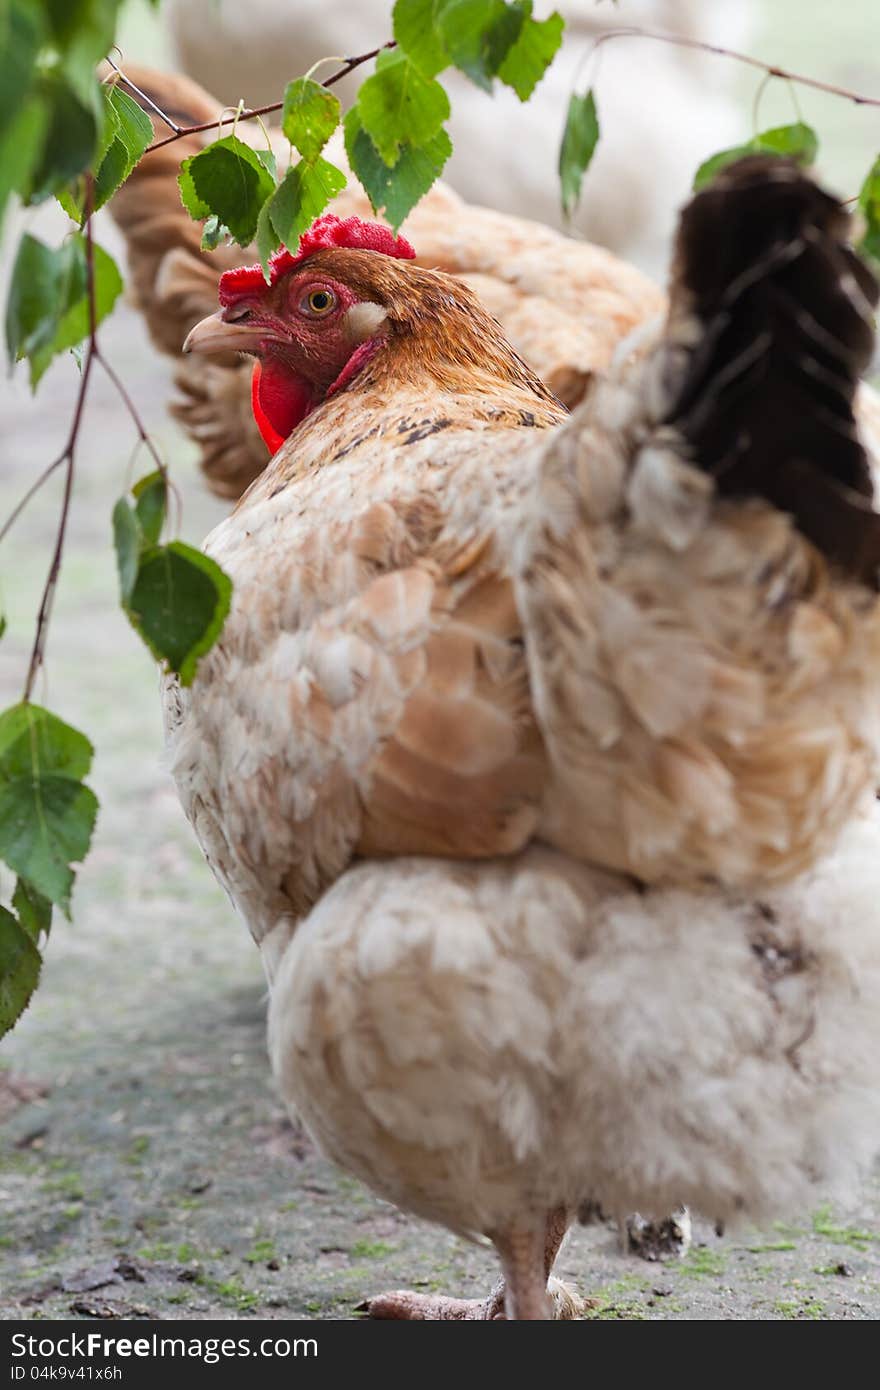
(215, 334)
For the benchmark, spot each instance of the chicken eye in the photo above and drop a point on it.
(319, 302)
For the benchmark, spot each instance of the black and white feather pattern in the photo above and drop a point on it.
(770, 327)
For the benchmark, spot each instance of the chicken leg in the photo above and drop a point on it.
(527, 1254)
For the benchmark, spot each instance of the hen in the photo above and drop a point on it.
(538, 752)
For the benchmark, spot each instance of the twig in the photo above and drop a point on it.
(32, 490)
(144, 98)
(95, 354)
(69, 455)
(633, 31)
(133, 412)
(349, 66)
(138, 423)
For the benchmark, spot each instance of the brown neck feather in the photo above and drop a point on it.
(439, 334)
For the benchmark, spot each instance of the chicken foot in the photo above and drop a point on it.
(527, 1256)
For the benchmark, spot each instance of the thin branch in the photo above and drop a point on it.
(349, 66)
(679, 41)
(133, 412)
(138, 423)
(95, 354)
(31, 492)
(331, 58)
(69, 454)
(148, 101)
(756, 102)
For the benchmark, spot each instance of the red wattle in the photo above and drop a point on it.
(279, 400)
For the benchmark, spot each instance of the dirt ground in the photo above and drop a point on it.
(146, 1167)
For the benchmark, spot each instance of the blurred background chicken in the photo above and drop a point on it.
(615, 675)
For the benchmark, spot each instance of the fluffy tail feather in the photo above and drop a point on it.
(762, 385)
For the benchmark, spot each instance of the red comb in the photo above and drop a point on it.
(327, 231)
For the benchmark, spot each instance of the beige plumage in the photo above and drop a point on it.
(516, 664)
(487, 1045)
(703, 681)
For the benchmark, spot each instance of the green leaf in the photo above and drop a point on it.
(869, 206)
(32, 293)
(533, 52)
(303, 194)
(796, 141)
(179, 605)
(34, 911)
(31, 738)
(716, 162)
(73, 326)
(110, 160)
(20, 146)
(579, 140)
(83, 24)
(269, 162)
(47, 824)
(311, 114)
(72, 136)
(213, 233)
(136, 530)
(399, 106)
(20, 963)
(73, 198)
(127, 540)
(395, 190)
(46, 812)
(132, 133)
(20, 38)
(195, 206)
(109, 128)
(113, 170)
(230, 180)
(416, 31)
(478, 35)
(151, 493)
(267, 238)
(83, 31)
(45, 283)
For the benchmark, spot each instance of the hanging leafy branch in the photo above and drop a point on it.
(67, 133)
(395, 138)
(64, 132)
(798, 141)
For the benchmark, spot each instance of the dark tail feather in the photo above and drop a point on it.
(765, 398)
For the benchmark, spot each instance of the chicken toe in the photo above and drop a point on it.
(421, 1307)
(527, 1255)
(565, 1305)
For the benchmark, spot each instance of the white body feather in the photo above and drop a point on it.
(478, 1040)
